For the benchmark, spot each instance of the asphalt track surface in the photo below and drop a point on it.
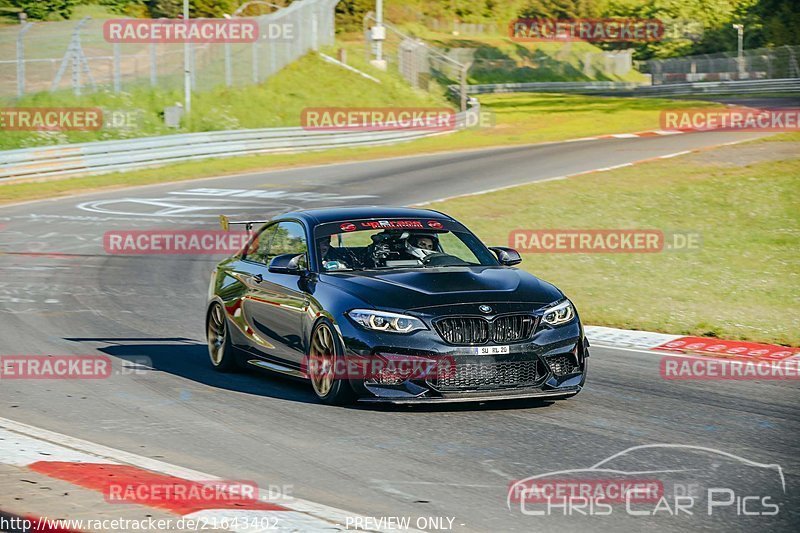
(446, 461)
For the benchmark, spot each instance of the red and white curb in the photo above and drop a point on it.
(91, 466)
(650, 133)
(709, 346)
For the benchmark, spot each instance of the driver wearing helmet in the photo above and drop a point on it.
(421, 245)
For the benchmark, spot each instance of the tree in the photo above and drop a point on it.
(350, 14)
(197, 8)
(561, 9)
(45, 9)
(779, 21)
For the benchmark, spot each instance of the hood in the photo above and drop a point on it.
(415, 289)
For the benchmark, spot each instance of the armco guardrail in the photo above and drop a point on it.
(605, 88)
(112, 156)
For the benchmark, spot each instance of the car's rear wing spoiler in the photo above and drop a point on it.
(248, 224)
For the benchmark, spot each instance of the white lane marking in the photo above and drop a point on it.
(323, 165)
(164, 207)
(627, 349)
(269, 194)
(504, 187)
(676, 154)
(605, 169)
(19, 450)
(65, 448)
(580, 139)
(626, 337)
(624, 135)
(198, 202)
(668, 132)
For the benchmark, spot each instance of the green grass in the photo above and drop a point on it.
(528, 117)
(496, 59)
(309, 81)
(743, 283)
(520, 119)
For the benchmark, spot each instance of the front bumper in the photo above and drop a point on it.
(475, 397)
(551, 364)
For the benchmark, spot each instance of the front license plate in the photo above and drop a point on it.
(490, 350)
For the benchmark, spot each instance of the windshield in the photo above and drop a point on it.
(397, 244)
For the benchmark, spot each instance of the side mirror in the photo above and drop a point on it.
(506, 256)
(287, 264)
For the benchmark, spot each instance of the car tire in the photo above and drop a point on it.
(324, 349)
(221, 352)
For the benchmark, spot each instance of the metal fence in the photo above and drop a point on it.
(51, 56)
(609, 88)
(421, 64)
(760, 63)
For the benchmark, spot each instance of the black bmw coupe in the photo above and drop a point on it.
(395, 305)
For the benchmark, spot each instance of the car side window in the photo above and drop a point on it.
(258, 249)
(289, 238)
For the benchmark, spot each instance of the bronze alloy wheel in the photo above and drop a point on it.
(221, 351)
(216, 335)
(322, 360)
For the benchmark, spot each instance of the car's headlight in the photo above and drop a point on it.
(386, 321)
(559, 314)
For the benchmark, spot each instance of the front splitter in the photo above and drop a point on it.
(475, 397)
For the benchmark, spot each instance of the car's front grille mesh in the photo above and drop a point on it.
(488, 376)
(464, 330)
(512, 328)
(468, 330)
(562, 365)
